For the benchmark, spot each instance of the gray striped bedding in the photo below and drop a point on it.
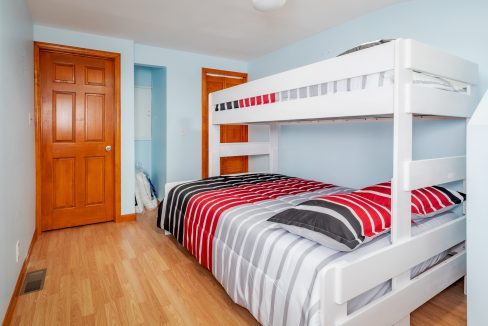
(274, 273)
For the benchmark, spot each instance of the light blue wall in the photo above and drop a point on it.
(142, 148)
(126, 49)
(357, 154)
(184, 104)
(360, 154)
(17, 162)
(143, 155)
(142, 76)
(159, 127)
(151, 154)
(457, 26)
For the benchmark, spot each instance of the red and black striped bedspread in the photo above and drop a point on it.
(192, 210)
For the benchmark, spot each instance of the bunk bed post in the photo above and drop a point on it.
(402, 154)
(213, 143)
(273, 150)
(464, 189)
(335, 312)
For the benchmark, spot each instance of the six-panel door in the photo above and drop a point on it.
(77, 123)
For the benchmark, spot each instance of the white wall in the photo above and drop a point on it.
(184, 104)
(126, 49)
(17, 163)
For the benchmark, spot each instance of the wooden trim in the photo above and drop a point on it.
(205, 73)
(118, 148)
(13, 300)
(38, 130)
(224, 73)
(38, 46)
(126, 218)
(76, 50)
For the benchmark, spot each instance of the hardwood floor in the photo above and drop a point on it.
(131, 274)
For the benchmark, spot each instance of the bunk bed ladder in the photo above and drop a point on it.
(218, 150)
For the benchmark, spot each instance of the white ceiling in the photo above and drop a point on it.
(229, 28)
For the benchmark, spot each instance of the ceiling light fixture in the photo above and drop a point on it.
(268, 5)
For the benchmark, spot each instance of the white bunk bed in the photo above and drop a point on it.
(402, 100)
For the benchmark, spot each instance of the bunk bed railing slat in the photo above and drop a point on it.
(403, 301)
(413, 252)
(424, 58)
(431, 101)
(240, 149)
(424, 173)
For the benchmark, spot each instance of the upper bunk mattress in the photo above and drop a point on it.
(376, 80)
(223, 222)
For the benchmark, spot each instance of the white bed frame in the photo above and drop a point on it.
(401, 102)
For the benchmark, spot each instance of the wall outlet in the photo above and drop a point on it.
(17, 251)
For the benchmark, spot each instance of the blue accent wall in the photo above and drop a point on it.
(358, 154)
(143, 155)
(142, 148)
(159, 129)
(150, 155)
(143, 76)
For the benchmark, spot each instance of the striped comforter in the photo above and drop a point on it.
(222, 221)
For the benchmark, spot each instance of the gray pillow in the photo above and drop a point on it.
(365, 46)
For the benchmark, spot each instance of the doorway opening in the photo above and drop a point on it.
(150, 133)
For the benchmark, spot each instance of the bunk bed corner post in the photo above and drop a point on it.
(213, 143)
(273, 144)
(402, 154)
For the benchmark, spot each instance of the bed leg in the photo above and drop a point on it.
(405, 321)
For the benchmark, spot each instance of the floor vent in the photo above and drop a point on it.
(34, 281)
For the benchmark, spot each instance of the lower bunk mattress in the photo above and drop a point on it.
(223, 223)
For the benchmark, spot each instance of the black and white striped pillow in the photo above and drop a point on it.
(341, 222)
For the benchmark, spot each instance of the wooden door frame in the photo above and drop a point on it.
(205, 72)
(38, 46)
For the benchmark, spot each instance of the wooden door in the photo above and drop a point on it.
(78, 114)
(215, 80)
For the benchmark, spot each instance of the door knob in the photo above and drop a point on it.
(108, 148)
